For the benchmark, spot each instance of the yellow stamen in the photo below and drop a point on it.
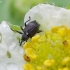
(27, 45)
(48, 34)
(35, 38)
(66, 42)
(28, 67)
(26, 58)
(68, 33)
(62, 30)
(39, 68)
(60, 69)
(65, 60)
(54, 29)
(49, 62)
(65, 68)
(30, 53)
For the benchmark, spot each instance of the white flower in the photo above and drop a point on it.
(48, 15)
(10, 43)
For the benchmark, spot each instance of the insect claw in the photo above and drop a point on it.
(39, 31)
(38, 24)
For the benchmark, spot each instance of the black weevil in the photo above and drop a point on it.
(29, 31)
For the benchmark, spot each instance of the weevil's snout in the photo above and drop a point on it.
(24, 38)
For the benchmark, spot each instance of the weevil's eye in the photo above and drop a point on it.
(24, 37)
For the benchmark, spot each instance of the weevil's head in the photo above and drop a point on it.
(24, 37)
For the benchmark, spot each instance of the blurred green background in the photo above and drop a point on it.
(14, 11)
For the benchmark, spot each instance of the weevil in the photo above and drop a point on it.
(30, 30)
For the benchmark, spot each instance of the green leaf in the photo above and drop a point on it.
(15, 27)
(68, 7)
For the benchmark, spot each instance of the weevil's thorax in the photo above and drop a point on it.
(32, 24)
(35, 23)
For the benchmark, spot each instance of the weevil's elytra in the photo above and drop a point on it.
(30, 30)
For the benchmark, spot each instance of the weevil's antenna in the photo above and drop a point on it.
(28, 20)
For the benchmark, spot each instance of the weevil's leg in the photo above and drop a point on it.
(27, 20)
(39, 31)
(19, 32)
(21, 42)
(25, 23)
(21, 28)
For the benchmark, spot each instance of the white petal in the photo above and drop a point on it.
(48, 15)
